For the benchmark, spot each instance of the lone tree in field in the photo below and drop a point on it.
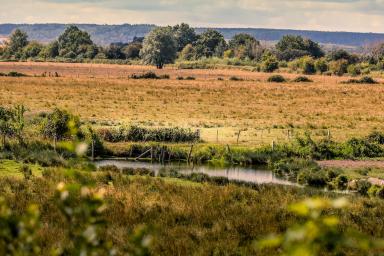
(76, 43)
(159, 47)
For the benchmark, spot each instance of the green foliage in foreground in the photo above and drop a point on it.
(319, 234)
(97, 213)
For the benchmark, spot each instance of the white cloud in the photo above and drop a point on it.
(345, 15)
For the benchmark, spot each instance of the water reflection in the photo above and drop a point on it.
(247, 174)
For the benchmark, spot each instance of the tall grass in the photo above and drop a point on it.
(181, 217)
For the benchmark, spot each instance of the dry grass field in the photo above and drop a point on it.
(265, 111)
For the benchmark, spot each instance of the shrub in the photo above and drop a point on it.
(138, 172)
(186, 78)
(235, 78)
(362, 148)
(363, 80)
(269, 64)
(321, 65)
(308, 66)
(26, 171)
(380, 193)
(149, 75)
(339, 67)
(376, 137)
(60, 124)
(13, 74)
(276, 79)
(341, 182)
(354, 70)
(363, 186)
(137, 133)
(302, 79)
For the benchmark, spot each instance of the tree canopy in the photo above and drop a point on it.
(184, 35)
(74, 42)
(159, 47)
(291, 47)
(210, 43)
(17, 41)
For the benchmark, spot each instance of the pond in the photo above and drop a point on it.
(248, 174)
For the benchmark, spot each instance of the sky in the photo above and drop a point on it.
(325, 15)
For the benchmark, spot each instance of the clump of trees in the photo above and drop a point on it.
(181, 43)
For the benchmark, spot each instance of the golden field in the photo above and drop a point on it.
(264, 111)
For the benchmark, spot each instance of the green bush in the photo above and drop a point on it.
(276, 79)
(308, 66)
(362, 187)
(137, 133)
(235, 78)
(149, 75)
(321, 66)
(341, 182)
(269, 64)
(338, 67)
(13, 74)
(354, 70)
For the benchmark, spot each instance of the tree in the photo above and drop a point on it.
(341, 54)
(242, 39)
(76, 43)
(159, 47)
(132, 50)
(17, 41)
(33, 49)
(291, 47)
(59, 125)
(188, 53)
(209, 43)
(245, 46)
(184, 35)
(114, 51)
(50, 51)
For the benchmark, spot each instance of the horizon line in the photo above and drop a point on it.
(196, 27)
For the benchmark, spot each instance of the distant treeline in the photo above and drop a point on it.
(182, 44)
(107, 34)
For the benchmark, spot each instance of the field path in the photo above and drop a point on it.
(352, 164)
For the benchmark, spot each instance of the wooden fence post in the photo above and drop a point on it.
(190, 154)
(93, 150)
(238, 137)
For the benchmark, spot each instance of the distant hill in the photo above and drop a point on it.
(106, 34)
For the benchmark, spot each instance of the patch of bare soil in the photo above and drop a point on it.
(352, 164)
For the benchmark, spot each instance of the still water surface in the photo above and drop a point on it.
(247, 174)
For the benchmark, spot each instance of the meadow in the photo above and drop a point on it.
(83, 210)
(263, 112)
